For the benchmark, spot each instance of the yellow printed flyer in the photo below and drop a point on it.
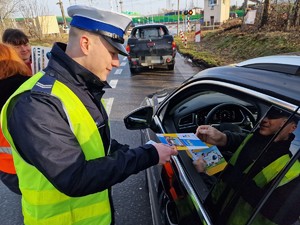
(215, 161)
(195, 149)
(182, 141)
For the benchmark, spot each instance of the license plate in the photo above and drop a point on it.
(150, 44)
(155, 61)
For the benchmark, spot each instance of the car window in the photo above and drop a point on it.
(198, 107)
(253, 172)
(147, 33)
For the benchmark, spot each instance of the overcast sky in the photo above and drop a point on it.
(144, 7)
(141, 6)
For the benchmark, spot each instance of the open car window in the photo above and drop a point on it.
(262, 177)
(283, 197)
(211, 107)
(200, 105)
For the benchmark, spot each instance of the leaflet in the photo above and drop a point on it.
(182, 141)
(195, 149)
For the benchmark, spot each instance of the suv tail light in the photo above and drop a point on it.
(173, 45)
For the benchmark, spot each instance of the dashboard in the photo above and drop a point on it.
(192, 112)
(224, 115)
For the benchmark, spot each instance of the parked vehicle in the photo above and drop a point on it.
(150, 46)
(233, 98)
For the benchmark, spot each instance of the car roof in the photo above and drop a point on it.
(281, 85)
(279, 63)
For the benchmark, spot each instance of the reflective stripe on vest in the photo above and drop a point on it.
(42, 203)
(6, 150)
(269, 172)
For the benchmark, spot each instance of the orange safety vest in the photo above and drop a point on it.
(6, 158)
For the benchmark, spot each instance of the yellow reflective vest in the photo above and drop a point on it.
(42, 203)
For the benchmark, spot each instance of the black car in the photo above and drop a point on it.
(234, 98)
(149, 46)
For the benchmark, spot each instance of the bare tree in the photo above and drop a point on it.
(7, 10)
(31, 10)
(295, 20)
(265, 14)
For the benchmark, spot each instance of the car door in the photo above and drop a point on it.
(182, 189)
(180, 195)
(184, 111)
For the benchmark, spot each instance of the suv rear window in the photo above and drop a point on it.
(152, 32)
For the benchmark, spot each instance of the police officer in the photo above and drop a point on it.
(56, 123)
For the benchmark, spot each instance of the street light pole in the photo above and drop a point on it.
(121, 5)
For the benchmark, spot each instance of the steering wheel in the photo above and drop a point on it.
(246, 124)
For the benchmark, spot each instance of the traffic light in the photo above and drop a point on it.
(190, 12)
(185, 12)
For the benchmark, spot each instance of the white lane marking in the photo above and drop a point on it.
(118, 71)
(113, 83)
(123, 64)
(108, 104)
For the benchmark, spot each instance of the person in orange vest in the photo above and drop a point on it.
(13, 73)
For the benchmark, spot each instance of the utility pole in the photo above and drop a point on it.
(117, 6)
(121, 8)
(62, 12)
(178, 18)
(111, 5)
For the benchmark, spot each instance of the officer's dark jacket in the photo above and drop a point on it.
(41, 133)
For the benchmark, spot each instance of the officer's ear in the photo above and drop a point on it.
(293, 127)
(84, 44)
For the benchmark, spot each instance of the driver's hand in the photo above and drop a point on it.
(200, 165)
(211, 135)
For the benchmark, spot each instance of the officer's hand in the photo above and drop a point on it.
(211, 135)
(165, 152)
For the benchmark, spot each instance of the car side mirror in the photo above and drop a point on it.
(140, 118)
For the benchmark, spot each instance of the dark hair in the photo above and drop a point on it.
(14, 37)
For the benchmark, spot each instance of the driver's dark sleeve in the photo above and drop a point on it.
(44, 139)
(233, 141)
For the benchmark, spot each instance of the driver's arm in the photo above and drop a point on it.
(233, 141)
(226, 141)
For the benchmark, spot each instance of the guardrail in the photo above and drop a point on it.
(39, 58)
